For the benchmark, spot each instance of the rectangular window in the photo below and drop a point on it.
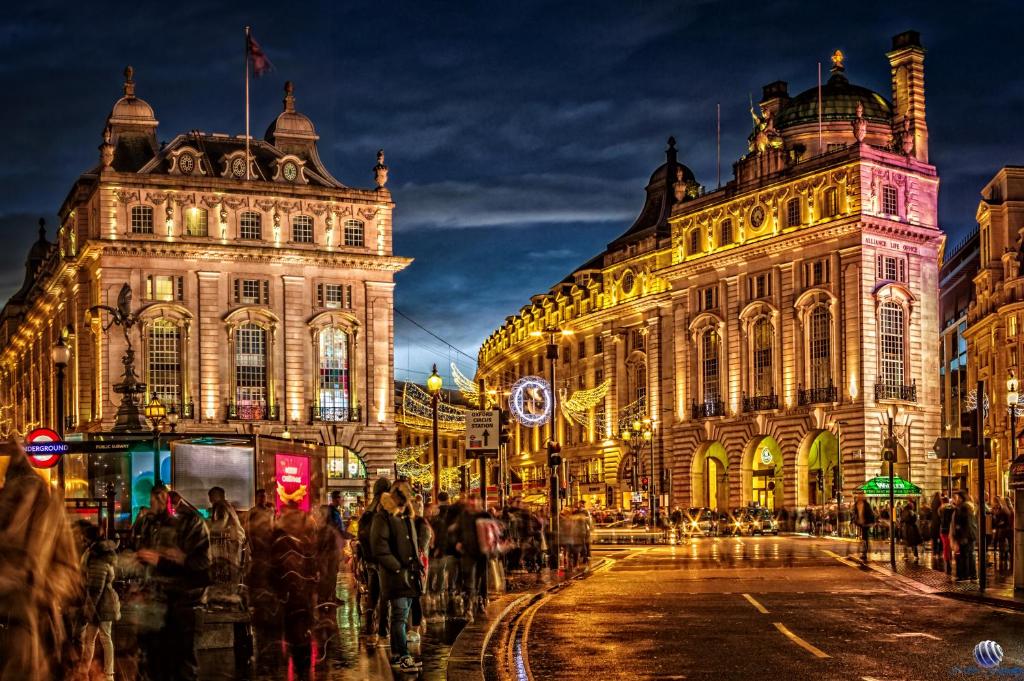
(793, 213)
(163, 353)
(890, 204)
(725, 233)
(1011, 326)
(251, 371)
(302, 229)
(581, 351)
(165, 287)
(598, 376)
(598, 345)
(707, 298)
(252, 291)
(636, 339)
(817, 272)
(831, 203)
(142, 220)
(760, 285)
(892, 268)
(196, 222)
(251, 226)
(694, 242)
(335, 296)
(353, 233)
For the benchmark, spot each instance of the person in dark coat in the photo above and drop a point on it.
(911, 532)
(964, 532)
(864, 519)
(102, 606)
(294, 580)
(376, 626)
(396, 549)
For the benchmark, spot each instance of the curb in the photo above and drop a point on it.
(921, 587)
(468, 655)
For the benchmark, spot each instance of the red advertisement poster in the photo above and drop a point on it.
(292, 480)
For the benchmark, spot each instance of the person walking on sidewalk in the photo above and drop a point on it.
(102, 606)
(946, 512)
(1002, 530)
(911, 532)
(964, 532)
(864, 519)
(396, 550)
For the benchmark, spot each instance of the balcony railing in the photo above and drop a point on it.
(186, 410)
(334, 414)
(890, 391)
(817, 395)
(253, 411)
(707, 409)
(760, 402)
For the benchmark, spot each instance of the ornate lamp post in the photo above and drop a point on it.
(434, 384)
(157, 413)
(638, 436)
(60, 355)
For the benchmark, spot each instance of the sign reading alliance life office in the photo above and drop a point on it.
(483, 430)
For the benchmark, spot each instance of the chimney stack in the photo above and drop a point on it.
(906, 61)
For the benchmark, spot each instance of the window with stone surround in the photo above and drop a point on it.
(830, 203)
(334, 296)
(251, 225)
(892, 268)
(354, 233)
(165, 287)
(694, 243)
(302, 229)
(892, 347)
(196, 222)
(763, 346)
(793, 213)
(890, 201)
(710, 387)
(725, 236)
(820, 346)
(250, 368)
(163, 362)
(252, 291)
(142, 220)
(333, 384)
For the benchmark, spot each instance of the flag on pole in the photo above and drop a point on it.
(256, 56)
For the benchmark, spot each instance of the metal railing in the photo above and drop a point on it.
(817, 395)
(334, 414)
(253, 411)
(707, 409)
(890, 391)
(760, 402)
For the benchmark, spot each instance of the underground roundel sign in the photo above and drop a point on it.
(44, 447)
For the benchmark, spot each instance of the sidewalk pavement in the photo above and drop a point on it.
(999, 588)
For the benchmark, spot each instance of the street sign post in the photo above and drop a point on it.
(483, 431)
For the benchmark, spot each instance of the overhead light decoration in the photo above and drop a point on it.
(971, 402)
(531, 401)
(577, 407)
(416, 411)
(466, 386)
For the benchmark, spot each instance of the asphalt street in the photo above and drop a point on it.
(787, 608)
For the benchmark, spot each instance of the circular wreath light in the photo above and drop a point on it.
(531, 401)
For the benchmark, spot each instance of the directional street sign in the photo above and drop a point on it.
(483, 431)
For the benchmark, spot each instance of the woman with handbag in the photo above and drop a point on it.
(102, 606)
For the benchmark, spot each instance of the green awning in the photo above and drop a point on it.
(879, 487)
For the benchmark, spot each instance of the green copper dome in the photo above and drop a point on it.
(839, 100)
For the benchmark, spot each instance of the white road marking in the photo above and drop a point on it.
(760, 608)
(817, 652)
(919, 634)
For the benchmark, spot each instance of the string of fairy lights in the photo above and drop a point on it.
(409, 464)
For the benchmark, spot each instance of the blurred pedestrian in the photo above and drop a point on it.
(102, 606)
(294, 579)
(39, 573)
(964, 533)
(864, 519)
(911, 532)
(1002, 530)
(376, 625)
(396, 550)
(946, 512)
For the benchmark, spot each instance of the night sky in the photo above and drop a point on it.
(519, 134)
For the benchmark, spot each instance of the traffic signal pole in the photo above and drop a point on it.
(980, 417)
(483, 455)
(892, 504)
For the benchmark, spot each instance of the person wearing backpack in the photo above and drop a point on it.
(102, 606)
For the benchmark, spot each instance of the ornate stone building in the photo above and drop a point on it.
(765, 327)
(265, 287)
(993, 335)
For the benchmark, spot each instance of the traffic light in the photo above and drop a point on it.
(968, 427)
(554, 454)
(889, 449)
(836, 484)
(644, 483)
(504, 436)
(820, 480)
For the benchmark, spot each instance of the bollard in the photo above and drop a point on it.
(1018, 540)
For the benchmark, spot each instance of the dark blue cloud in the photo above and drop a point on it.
(519, 135)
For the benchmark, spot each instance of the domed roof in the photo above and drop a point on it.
(661, 173)
(290, 123)
(130, 110)
(839, 99)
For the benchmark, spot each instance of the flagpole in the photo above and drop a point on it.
(246, 103)
(718, 142)
(819, 108)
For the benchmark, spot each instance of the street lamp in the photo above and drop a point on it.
(434, 384)
(157, 413)
(636, 437)
(61, 355)
(1012, 400)
(554, 449)
(890, 452)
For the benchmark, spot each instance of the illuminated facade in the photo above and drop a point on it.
(265, 288)
(994, 337)
(765, 327)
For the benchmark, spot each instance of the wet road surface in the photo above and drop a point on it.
(788, 608)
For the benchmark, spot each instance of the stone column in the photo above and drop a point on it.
(214, 373)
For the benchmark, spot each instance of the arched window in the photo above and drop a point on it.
(196, 222)
(793, 213)
(891, 341)
(251, 225)
(725, 233)
(830, 207)
(251, 371)
(142, 220)
(820, 347)
(694, 242)
(709, 372)
(890, 204)
(763, 341)
(302, 229)
(163, 362)
(354, 233)
(334, 386)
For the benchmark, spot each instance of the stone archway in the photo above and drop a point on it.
(819, 452)
(761, 473)
(709, 476)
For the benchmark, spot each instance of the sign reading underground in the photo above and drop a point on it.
(44, 447)
(531, 401)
